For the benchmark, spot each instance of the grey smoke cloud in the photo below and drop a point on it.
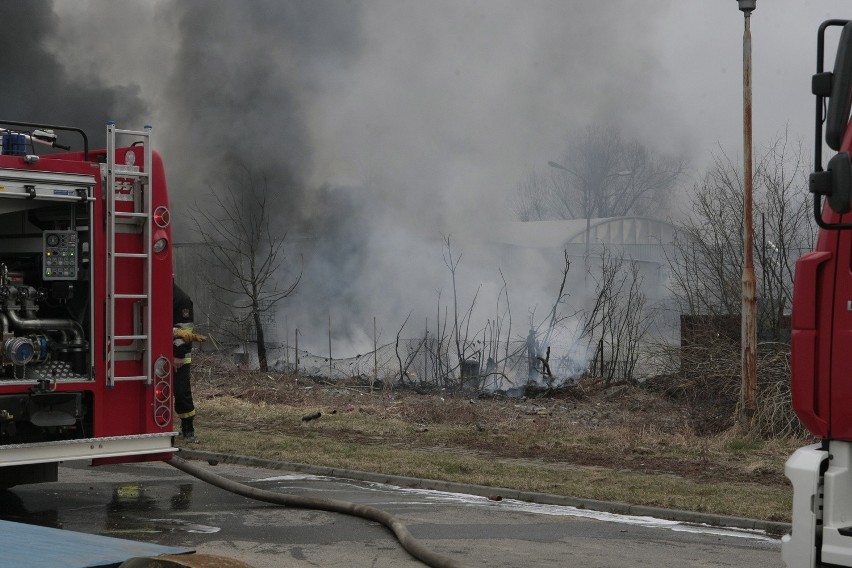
(242, 82)
(450, 100)
(37, 87)
(386, 123)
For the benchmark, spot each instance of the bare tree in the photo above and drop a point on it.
(706, 267)
(438, 347)
(786, 230)
(247, 256)
(601, 174)
(706, 259)
(555, 316)
(452, 264)
(502, 320)
(531, 200)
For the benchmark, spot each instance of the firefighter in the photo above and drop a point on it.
(182, 323)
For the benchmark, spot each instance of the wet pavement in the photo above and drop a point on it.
(157, 503)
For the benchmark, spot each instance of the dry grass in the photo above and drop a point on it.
(617, 443)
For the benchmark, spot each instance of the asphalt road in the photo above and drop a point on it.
(157, 503)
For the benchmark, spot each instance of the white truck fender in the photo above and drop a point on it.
(803, 468)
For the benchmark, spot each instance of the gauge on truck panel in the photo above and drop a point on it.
(59, 259)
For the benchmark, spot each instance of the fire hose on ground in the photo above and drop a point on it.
(408, 542)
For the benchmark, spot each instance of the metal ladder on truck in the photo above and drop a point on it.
(135, 182)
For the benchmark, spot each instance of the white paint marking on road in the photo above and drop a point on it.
(514, 505)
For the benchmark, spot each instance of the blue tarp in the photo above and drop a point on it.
(31, 546)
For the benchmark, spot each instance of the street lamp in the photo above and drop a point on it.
(749, 303)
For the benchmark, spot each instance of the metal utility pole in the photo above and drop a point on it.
(329, 347)
(749, 302)
(375, 357)
(297, 351)
(586, 206)
(588, 198)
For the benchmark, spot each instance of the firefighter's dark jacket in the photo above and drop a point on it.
(182, 317)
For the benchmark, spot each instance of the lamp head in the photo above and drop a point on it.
(747, 6)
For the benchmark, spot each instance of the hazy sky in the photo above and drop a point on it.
(421, 116)
(450, 100)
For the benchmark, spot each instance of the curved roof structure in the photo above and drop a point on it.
(611, 230)
(626, 231)
(642, 238)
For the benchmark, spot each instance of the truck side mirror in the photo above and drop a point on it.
(840, 101)
(835, 183)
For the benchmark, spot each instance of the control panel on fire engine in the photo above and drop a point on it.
(59, 261)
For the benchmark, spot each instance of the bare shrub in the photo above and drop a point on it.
(707, 382)
(774, 416)
(617, 321)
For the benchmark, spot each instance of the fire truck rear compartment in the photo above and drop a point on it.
(44, 321)
(44, 416)
(44, 291)
(80, 282)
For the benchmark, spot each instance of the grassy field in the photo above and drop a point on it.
(619, 444)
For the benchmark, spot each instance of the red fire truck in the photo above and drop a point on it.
(85, 301)
(821, 474)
